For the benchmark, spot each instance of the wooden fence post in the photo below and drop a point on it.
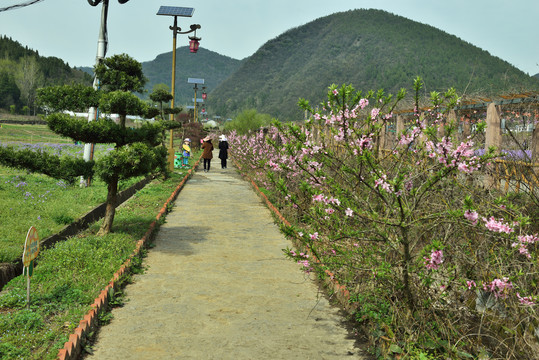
(466, 126)
(382, 137)
(451, 118)
(399, 128)
(535, 144)
(493, 137)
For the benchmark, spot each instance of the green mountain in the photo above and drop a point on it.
(370, 49)
(23, 70)
(205, 64)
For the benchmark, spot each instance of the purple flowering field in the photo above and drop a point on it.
(29, 199)
(512, 155)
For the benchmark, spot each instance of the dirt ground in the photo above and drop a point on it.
(218, 286)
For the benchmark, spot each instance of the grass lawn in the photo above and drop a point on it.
(31, 134)
(29, 199)
(70, 275)
(43, 202)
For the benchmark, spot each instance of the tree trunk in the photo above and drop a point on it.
(110, 211)
(407, 261)
(122, 120)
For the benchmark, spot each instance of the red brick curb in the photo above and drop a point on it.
(341, 292)
(73, 347)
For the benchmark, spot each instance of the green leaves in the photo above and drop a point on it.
(248, 120)
(68, 97)
(121, 102)
(120, 72)
(103, 130)
(131, 160)
(65, 168)
(168, 124)
(161, 96)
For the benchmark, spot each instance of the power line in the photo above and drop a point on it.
(27, 3)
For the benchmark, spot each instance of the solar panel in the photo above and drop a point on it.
(176, 11)
(195, 81)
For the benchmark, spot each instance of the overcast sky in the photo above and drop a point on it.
(68, 29)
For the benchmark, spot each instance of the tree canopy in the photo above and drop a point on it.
(23, 71)
(136, 151)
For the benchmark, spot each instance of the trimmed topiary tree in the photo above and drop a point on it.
(137, 151)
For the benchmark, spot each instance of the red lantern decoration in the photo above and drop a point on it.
(193, 44)
(204, 96)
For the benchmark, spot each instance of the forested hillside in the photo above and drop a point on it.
(22, 71)
(370, 49)
(205, 64)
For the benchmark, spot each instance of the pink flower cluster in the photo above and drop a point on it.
(526, 300)
(374, 113)
(523, 242)
(326, 200)
(344, 115)
(499, 287)
(462, 157)
(436, 258)
(303, 259)
(383, 184)
(363, 103)
(364, 143)
(408, 138)
(255, 152)
(497, 225)
(472, 216)
(310, 148)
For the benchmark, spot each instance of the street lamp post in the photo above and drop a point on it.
(193, 46)
(102, 43)
(196, 82)
(196, 115)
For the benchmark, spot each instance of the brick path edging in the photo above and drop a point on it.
(73, 347)
(340, 291)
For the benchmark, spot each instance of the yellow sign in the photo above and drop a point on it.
(31, 246)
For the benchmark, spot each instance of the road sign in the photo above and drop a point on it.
(31, 250)
(195, 81)
(31, 246)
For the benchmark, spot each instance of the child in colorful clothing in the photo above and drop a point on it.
(186, 152)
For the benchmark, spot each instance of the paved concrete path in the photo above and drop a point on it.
(219, 287)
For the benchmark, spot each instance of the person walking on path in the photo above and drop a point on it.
(223, 150)
(207, 153)
(186, 147)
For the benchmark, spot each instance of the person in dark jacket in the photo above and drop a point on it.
(223, 150)
(207, 154)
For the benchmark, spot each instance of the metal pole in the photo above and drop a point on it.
(28, 288)
(92, 112)
(196, 115)
(173, 87)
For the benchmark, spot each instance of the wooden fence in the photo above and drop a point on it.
(514, 174)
